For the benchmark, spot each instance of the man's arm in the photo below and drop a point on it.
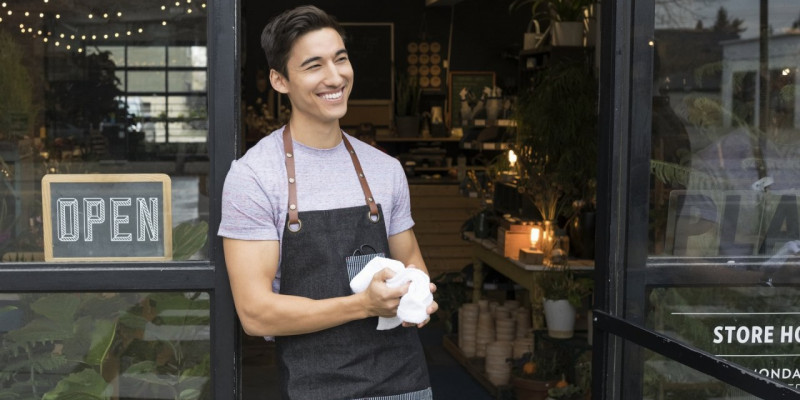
(404, 247)
(252, 265)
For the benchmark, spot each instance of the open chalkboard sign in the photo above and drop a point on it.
(107, 217)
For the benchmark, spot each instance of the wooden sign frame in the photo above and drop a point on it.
(166, 196)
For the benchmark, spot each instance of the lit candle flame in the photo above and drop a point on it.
(534, 237)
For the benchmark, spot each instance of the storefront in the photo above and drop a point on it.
(118, 123)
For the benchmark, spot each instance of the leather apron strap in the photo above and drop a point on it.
(293, 222)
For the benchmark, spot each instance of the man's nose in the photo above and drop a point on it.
(334, 76)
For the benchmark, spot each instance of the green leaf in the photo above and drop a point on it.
(84, 385)
(188, 238)
(41, 330)
(189, 394)
(102, 338)
(58, 306)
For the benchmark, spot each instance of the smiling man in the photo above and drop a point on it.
(297, 206)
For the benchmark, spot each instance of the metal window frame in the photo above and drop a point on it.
(223, 33)
(626, 64)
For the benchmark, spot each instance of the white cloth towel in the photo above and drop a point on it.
(413, 304)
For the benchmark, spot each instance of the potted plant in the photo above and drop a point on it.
(535, 373)
(406, 105)
(563, 292)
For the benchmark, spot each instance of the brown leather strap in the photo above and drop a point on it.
(373, 208)
(294, 224)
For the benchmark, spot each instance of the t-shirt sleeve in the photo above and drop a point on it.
(401, 207)
(247, 209)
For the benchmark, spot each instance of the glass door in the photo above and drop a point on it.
(701, 233)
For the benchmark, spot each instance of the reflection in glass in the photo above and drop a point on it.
(755, 327)
(725, 143)
(105, 345)
(85, 90)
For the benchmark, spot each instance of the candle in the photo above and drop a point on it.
(512, 158)
(534, 238)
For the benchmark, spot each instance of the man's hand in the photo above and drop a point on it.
(381, 300)
(430, 310)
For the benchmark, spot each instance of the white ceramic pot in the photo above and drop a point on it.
(567, 33)
(560, 318)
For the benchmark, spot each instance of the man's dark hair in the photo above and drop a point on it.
(283, 30)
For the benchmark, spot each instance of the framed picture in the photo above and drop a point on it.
(464, 91)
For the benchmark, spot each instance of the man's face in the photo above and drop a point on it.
(320, 76)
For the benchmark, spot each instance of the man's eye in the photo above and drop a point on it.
(315, 66)
(341, 59)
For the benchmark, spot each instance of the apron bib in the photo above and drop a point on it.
(353, 360)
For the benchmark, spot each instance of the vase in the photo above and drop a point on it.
(581, 235)
(560, 318)
(530, 389)
(548, 237)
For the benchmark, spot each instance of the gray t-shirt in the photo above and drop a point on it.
(256, 195)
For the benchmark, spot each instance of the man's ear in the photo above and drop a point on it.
(278, 81)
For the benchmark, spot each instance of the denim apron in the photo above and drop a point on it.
(353, 360)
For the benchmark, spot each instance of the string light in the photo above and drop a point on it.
(41, 15)
(164, 23)
(27, 13)
(5, 5)
(119, 14)
(10, 12)
(91, 16)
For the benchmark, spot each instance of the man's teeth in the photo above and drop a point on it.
(332, 96)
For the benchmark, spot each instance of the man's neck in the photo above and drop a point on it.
(315, 134)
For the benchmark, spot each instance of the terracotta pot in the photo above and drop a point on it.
(529, 389)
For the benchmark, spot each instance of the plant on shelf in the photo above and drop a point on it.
(406, 105)
(536, 372)
(563, 293)
(556, 143)
(565, 391)
(560, 283)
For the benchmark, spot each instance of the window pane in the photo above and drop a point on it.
(146, 81)
(725, 131)
(105, 345)
(187, 56)
(152, 56)
(98, 103)
(723, 197)
(755, 327)
(187, 81)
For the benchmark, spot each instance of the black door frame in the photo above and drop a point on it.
(626, 65)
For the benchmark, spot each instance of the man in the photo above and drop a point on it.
(296, 206)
